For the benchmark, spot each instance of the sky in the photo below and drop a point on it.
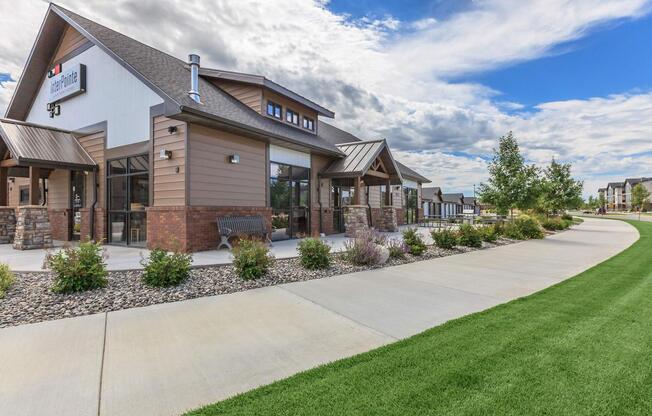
(441, 80)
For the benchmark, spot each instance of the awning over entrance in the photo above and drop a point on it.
(30, 145)
(370, 160)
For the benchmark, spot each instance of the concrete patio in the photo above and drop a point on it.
(129, 258)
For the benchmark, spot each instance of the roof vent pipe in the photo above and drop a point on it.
(193, 60)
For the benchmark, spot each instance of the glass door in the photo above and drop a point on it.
(77, 200)
(128, 194)
(411, 205)
(289, 191)
(342, 197)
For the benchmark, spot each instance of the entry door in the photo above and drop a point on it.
(77, 198)
(342, 197)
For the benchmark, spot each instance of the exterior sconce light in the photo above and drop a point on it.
(172, 129)
(165, 154)
(234, 158)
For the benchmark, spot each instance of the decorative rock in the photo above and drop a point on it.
(384, 254)
(387, 220)
(32, 228)
(355, 219)
(7, 225)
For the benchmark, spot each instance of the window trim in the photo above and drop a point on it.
(310, 121)
(290, 113)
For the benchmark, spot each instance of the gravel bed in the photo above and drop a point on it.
(30, 299)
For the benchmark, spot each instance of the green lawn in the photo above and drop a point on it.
(582, 347)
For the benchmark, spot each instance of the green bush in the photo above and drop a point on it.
(414, 242)
(555, 223)
(445, 238)
(163, 269)
(6, 279)
(251, 259)
(314, 254)
(567, 217)
(528, 227)
(363, 249)
(397, 248)
(469, 236)
(78, 269)
(489, 233)
(510, 230)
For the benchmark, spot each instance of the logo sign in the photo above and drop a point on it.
(65, 84)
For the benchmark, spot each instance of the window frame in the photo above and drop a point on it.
(289, 116)
(310, 121)
(275, 106)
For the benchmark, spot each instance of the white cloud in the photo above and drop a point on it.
(383, 81)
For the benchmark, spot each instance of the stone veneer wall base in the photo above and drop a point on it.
(33, 229)
(355, 219)
(387, 220)
(7, 225)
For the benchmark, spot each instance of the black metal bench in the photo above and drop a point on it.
(240, 226)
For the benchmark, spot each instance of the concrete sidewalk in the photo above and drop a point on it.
(164, 359)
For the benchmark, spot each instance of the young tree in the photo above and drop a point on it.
(640, 196)
(512, 183)
(602, 201)
(559, 190)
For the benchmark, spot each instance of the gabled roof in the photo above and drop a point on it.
(469, 200)
(166, 75)
(264, 82)
(360, 156)
(412, 174)
(455, 198)
(431, 193)
(615, 184)
(634, 181)
(602, 189)
(33, 145)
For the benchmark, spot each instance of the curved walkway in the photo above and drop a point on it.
(164, 359)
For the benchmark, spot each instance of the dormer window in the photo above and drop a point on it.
(292, 117)
(308, 124)
(274, 110)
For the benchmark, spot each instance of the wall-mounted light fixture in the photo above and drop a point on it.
(172, 129)
(165, 154)
(234, 158)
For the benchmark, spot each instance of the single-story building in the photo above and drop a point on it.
(452, 205)
(471, 206)
(432, 202)
(108, 138)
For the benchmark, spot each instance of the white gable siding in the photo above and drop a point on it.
(289, 156)
(113, 94)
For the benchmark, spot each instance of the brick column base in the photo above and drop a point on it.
(60, 223)
(400, 216)
(387, 220)
(7, 225)
(191, 229)
(355, 219)
(100, 224)
(32, 228)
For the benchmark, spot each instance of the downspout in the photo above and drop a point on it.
(45, 193)
(371, 222)
(321, 228)
(92, 212)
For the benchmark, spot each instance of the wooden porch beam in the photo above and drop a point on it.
(8, 163)
(34, 176)
(3, 186)
(377, 174)
(356, 191)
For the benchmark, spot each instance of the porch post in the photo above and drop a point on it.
(3, 187)
(34, 174)
(388, 190)
(356, 194)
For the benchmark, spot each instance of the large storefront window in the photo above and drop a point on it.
(411, 203)
(289, 191)
(128, 192)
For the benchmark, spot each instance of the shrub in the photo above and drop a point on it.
(251, 259)
(363, 249)
(78, 269)
(397, 248)
(414, 242)
(445, 238)
(510, 230)
(314, 254)
(489, 233)
(469, 236)
(555, 223)
(6, 279)
(528, 227)
(163, 269)
(567, 217)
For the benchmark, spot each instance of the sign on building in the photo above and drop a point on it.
(67, 83)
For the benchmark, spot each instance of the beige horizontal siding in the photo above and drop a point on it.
(213, 181)
(374, 196)
(59, 189)
(169, 186)
(291, 104)
(13, 198)
(249, 95)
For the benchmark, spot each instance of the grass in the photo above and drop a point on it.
(582, 347)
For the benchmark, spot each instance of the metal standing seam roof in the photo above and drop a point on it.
(359, 157)
(34, 145)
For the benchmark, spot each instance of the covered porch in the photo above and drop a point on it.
(367, 164)
(39, 153)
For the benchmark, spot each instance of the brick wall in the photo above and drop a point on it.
(60, 223)
(191, 229)
(400, 216)
(100, 224)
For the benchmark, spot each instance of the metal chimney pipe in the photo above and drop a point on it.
(193, 60)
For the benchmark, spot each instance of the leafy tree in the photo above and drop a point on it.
(602, 201)
(640, 196)
(512, 183)
(559, 190)
(591, 203)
